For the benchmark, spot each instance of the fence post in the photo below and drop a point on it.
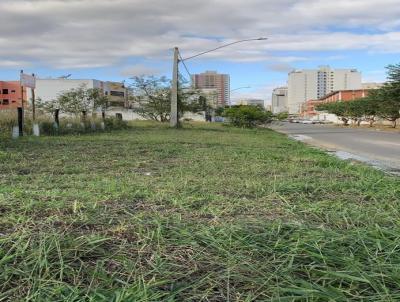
(21, 121)
(56, 117)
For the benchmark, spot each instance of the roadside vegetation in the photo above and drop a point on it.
(76, 111)
(205, 213)
(247, 116)
(382, 103)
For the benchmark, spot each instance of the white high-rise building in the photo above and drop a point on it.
(312, 84)
(280, 100)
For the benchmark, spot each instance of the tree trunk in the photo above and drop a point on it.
(371, 123)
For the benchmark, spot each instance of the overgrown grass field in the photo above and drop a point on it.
(206, 213)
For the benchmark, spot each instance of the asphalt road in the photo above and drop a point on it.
(379, 148)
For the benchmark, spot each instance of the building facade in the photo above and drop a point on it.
(279, 101)
(214, 80)
(308, 108)
(312, 84)
(252, 102)
(11, 95)
(49, 89)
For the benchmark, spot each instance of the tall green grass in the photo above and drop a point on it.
(206, 213)
(68, 125)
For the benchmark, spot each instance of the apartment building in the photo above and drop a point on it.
(279, 101)
(213, 80)
(10, 95)
(312, 84)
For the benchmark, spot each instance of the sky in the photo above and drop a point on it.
(118, 39)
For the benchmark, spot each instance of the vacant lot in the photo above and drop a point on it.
(205, 213)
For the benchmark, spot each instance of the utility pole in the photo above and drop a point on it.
(174, 118)
(21, 111)
(33, 102)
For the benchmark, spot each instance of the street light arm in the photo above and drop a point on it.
(245, 87)
(226, 45)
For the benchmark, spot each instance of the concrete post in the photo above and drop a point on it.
(174, 118)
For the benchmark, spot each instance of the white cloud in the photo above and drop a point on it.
(87, 33)
(262, 92)
(140, 70)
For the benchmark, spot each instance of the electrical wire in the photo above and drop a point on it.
(183, 62)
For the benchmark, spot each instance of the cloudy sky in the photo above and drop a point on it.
(115, 39)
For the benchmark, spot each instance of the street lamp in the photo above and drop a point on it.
(174, 119)
(244, 87)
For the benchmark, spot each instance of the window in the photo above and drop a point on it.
(12, 91)
(6, 102)
(5, 91)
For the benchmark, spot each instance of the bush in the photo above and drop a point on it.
(247, 116)
(282, 116)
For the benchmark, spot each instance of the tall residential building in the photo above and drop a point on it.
(280, 100)
(214, 80)
(312, 84)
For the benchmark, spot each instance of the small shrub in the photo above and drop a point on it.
(282, 116)
(247, 116)
(112, 123)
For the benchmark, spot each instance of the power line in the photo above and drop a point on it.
(183, 62)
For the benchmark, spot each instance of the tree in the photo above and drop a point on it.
(389, 95)
(338, 108)
(387, 103)
(247, 116)
(98, 99)
(369, 109)
(76, 101)
(153, 98)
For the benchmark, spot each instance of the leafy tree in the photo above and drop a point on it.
(369, 109)
(247, 116)
(76, 101)
(97, 98)
(387, 103)
(153, 98)
(337, 108)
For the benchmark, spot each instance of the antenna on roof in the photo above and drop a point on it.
(65, 76)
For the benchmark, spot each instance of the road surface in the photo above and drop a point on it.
(378, 148)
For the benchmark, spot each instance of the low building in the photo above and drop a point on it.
(49, 89)
(10, 95)
(252, 102)
(279, 100)
(372, 85)
(117, 93)
(308, 108)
